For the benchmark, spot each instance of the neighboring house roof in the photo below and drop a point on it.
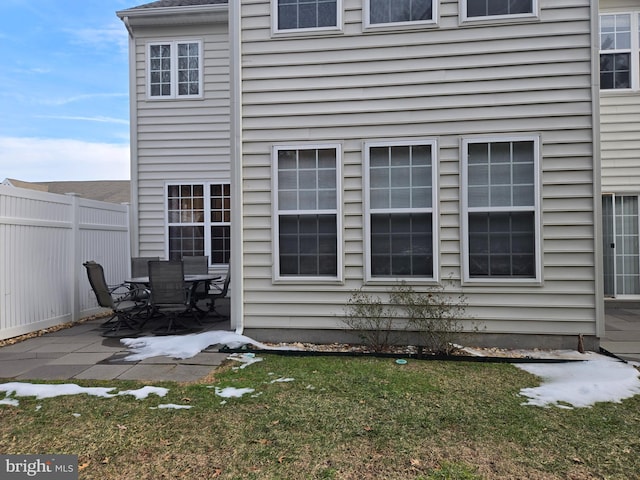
(179, 3)
(113, 191)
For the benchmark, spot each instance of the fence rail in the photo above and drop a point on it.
(44, 239)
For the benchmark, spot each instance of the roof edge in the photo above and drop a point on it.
(165, 11)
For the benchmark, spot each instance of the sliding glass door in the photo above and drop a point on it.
(621, 245)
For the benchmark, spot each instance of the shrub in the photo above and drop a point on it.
(434, 315)
(371, 319)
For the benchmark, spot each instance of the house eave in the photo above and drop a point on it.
(186, 15)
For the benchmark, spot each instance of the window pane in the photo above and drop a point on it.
(502, 244)
(308, 245)
(615, 71)
(294, 14)
(401, 245)
(184, 241)
(483, 8)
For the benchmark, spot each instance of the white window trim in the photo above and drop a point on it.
(465, 210)
(275, 215)
(534, 15)
(207, 220)
(634, 51)
(174, 69)
(367, 25)
(369, 278)
(275, 31)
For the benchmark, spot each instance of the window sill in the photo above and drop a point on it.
(306, 32)
(307, 280)
(502, 282)
(396, 280)
(399, 26)
(498, 20)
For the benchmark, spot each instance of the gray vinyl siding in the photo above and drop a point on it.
(180, 141)
(445, 83)
(620, 137)
(620, 126)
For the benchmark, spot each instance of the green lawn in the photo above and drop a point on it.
(342, 418)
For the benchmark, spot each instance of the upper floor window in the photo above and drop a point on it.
(175, 69)
(501, 209)
(380, 12)
(619, 51)
(307, 14)
(492, 9)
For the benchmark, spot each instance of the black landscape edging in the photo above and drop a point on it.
(411, 356)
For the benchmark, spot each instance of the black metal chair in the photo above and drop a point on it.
(197, 265)
(121, 299)
(140, 265)
(170, 295)
(220, 292)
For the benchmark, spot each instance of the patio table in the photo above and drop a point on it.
(193, 280)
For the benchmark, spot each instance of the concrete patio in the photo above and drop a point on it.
(622, 337)
(81, 352)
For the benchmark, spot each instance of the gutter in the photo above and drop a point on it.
(597, 172)
(139, 15)
(235, 86)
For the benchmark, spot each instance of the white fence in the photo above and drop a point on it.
(44, 239)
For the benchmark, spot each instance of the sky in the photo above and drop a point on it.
(64, 101)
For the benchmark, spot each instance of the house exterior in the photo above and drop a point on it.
(361, 143)
(620, 144)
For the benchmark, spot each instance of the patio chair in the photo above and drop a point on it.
(121, 299)
(197, 265)
(170, 295)
(220, 292)
(140, 266)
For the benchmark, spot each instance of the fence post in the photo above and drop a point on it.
(74, 257)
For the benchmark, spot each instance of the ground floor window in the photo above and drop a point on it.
(199, 221)
(306, 209)
(399, 200)
(501, 208)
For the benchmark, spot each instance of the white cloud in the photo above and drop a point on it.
(97, 118)
(59, 101)
(102, 38)
(49, 159)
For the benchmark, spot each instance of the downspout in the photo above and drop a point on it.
(235, 97)
(597, 171)
(134, 238)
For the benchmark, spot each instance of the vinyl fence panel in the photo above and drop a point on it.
(44, 239)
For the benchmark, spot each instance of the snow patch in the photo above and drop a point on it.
(581, 384)
(232, 392)
(171, 406)
(186, 346)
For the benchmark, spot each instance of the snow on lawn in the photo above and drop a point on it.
(41, 391)
(185, 346)
(581, 384)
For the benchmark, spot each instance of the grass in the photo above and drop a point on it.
(341, 418)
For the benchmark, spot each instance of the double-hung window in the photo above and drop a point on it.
(497, 9)
(199, 221)
(307, 220)
(174, 69)
(400, 195)
(383, 12)
(620, 51)
(501, 209)
(292, 15)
